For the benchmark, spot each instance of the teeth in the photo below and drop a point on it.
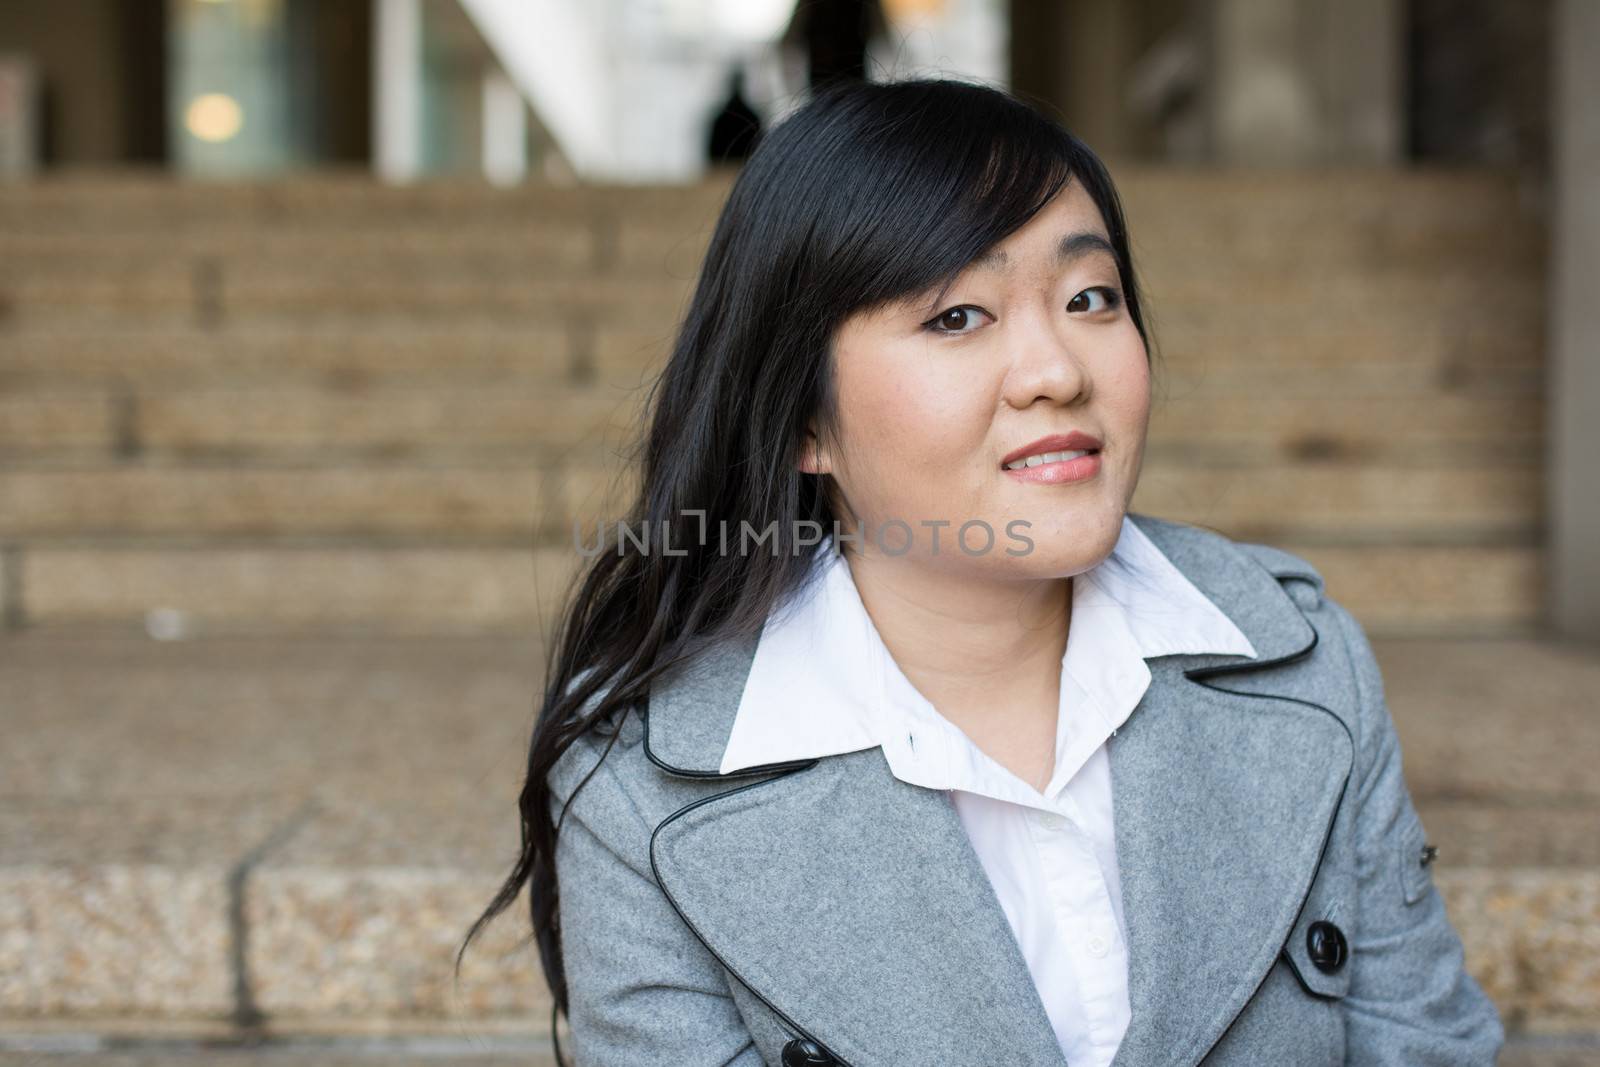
(1044, 457)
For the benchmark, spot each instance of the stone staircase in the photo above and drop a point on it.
(335, 435)
(254, 407)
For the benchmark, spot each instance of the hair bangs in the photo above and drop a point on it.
(955, 172)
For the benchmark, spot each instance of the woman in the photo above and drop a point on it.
(903, 741)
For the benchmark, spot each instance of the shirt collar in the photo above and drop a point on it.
(822, 682)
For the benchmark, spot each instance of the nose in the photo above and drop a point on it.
(1046, 366)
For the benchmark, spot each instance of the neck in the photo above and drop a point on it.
(964, 641)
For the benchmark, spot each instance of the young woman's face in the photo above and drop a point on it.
(934, 399)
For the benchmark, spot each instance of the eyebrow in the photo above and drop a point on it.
(1069, 249)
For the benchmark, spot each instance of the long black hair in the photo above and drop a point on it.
(867, 193)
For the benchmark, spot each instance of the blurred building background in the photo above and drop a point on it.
(323, 321)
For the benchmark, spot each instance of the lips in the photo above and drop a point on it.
(1076, 441)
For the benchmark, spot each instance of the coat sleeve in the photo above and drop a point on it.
(641, 988)
(1411, 1001)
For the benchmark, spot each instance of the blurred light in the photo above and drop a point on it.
(902, 10)
(752, 20)
(214, 117)
(167, 624)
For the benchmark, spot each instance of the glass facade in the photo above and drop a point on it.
(455, 62)
(232, 103)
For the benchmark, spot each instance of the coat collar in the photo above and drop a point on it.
(796, 880)
(1131, 607)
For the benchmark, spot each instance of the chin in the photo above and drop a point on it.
(1077, 533)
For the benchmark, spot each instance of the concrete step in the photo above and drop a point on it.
(291, 832)
(405, 548)
(360, 354)
(246, 854)
(1384, 349)
(202, 298)
(615, 243)
(143, 202)
(354, 590)
(302, 423)
(1413, 547)
(1356, 240)
(1330, 501)
(310, 423)
(1395, 218)
(1583, 1051)
(432, 287)
(535, 243)
(244, 379)
(1374, 355)
(1397, 212)
(207, 588)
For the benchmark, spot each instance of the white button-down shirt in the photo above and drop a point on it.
(822, 683)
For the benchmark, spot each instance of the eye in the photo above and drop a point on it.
(1112, 297)
(951, 317)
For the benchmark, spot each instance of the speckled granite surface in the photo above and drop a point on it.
(299, 831)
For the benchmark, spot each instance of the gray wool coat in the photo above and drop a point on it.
(711, 919)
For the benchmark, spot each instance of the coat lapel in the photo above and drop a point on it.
(1225, 782)
(855, 906)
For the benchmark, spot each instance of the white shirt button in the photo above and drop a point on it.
(1097, 945)
(1047, 820)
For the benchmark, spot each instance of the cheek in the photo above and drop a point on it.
(1123, 385)
(1125, 394)
(919, 418)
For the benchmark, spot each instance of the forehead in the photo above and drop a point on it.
(1064, 229)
